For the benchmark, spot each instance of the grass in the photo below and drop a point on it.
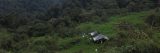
(109, 29)
(126, 43)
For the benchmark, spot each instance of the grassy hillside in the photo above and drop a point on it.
(137, 36)
(128, 34)
(57, 26)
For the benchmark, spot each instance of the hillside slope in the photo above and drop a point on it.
(128, 34)
(131, 33)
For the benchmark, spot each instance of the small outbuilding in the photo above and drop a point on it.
(98, 38)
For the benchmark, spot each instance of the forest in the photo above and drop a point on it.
(57, 26)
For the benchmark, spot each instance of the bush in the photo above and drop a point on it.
(143, 46)
(6, 40)
(39, 29)
(4, 51)
(153, 19)
(44, 44)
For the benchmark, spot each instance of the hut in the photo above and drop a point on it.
(98, 38)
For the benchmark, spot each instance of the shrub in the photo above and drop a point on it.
(6, 41)
(143, 46)
(39, 29)
(153, 19)
(44, 44)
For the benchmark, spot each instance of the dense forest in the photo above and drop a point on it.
(56, 26)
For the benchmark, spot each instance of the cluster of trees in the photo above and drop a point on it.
(36, 18)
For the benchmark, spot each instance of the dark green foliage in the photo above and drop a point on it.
(137, 5)
(146, 46)
(46, 45)
(153, 19)
(122, 3)
(35, 26)
(20, 43)
(39, 29)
